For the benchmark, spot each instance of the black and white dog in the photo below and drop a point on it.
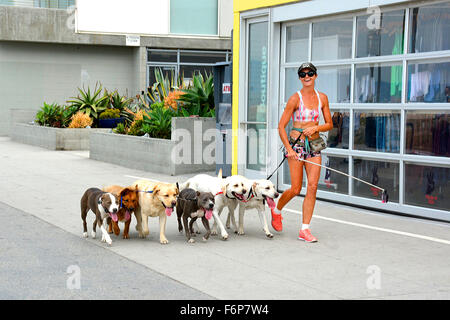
(103, 205)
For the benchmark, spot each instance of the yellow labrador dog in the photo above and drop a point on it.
(156, 199)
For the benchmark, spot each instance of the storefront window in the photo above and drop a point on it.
(380, 173)
(331, 181)
(377, 130)
(334, 82)
(338, 136)
(385, 40)
(332, 40)
(427, 186)
(378, 83)
(429, 82)
(162, 56)
(428, 28)
(297, 43)
(257, 94)
(428, 133)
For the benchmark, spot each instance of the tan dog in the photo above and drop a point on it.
(156, 199)
(128, 203)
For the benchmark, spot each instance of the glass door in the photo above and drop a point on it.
(256, 86)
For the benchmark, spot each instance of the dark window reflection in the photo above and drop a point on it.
(332, 181)
(382, 174)
(427, 186)
(377, 131)
(387, 40)
(378, 83)
(428, 133)
(429, 28)
(429, 82)
(338, 136)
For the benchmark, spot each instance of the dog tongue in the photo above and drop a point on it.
(208, 214)
(127, 215)
(169, 211)
(114, 217)
(270, 203)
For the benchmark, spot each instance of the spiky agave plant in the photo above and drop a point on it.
(90, 103)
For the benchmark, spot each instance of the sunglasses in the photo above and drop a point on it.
(309, 73)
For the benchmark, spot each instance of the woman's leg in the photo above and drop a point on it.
(296, 170)
(313, 175)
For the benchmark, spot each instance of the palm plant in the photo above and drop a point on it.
(198, 100)
(90, 103)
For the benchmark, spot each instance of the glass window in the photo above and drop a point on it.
(332, 181)
(338, 136)
(291, 83)
(427, 133)
(428, 28)
(378, 83)
(297, 43)
(202, 57)
(386, 40)
(162, 56)
(188, 71)
(193, 17)
(334, 82)
(427, 186)
(257, 72)
(377, 130)
(332, 40)
(429, 82)
(257, 95)
(380, 173)
(168, 71)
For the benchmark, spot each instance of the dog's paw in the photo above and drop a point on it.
(126, 236)
(204, 239)
(240, 232)
(214, 232)
(191, 240)
(224, 236)
(85, 234)
(164, 241)
(93, 234)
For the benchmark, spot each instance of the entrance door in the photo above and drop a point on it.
(256, 87)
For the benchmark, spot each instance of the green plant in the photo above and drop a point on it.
(198, 100)
(164, 85)
(66, 115)
(158, 122)
(136, 128)
(90, 103)
(121, 129)
(116, 101)
(110, 114)
(49, 115)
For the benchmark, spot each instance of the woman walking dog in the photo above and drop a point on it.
(304, 107)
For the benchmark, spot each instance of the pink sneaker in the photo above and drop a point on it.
(306, 235)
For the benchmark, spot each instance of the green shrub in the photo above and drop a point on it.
(110, 114)
(136, 128)
(91, 103)
(158, 122)
(121, 129)
(198, 100)
(49, 115)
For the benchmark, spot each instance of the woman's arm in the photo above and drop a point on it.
(284, 121)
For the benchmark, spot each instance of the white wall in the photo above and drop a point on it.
(31, 73)
(119, 16)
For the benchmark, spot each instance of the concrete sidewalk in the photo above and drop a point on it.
(360, 254)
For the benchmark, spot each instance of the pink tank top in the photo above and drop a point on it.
(303, 114)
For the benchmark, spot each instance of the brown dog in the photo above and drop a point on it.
(128, 203)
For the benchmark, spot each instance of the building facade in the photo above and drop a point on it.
(385, 67)
(49, 48)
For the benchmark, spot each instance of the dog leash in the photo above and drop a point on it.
(384, 194)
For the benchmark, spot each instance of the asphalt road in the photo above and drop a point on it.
(41, 261)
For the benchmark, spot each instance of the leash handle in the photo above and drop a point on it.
(296, 140)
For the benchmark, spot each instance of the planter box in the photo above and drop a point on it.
(110, 123)
(191, 140)
(52, 138)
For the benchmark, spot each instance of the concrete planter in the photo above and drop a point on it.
(52, 138)
(191, 148)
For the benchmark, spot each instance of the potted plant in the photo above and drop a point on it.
(110, 118)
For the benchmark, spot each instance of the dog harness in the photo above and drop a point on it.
(304, 114)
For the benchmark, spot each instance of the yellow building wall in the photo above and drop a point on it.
(238, 7)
